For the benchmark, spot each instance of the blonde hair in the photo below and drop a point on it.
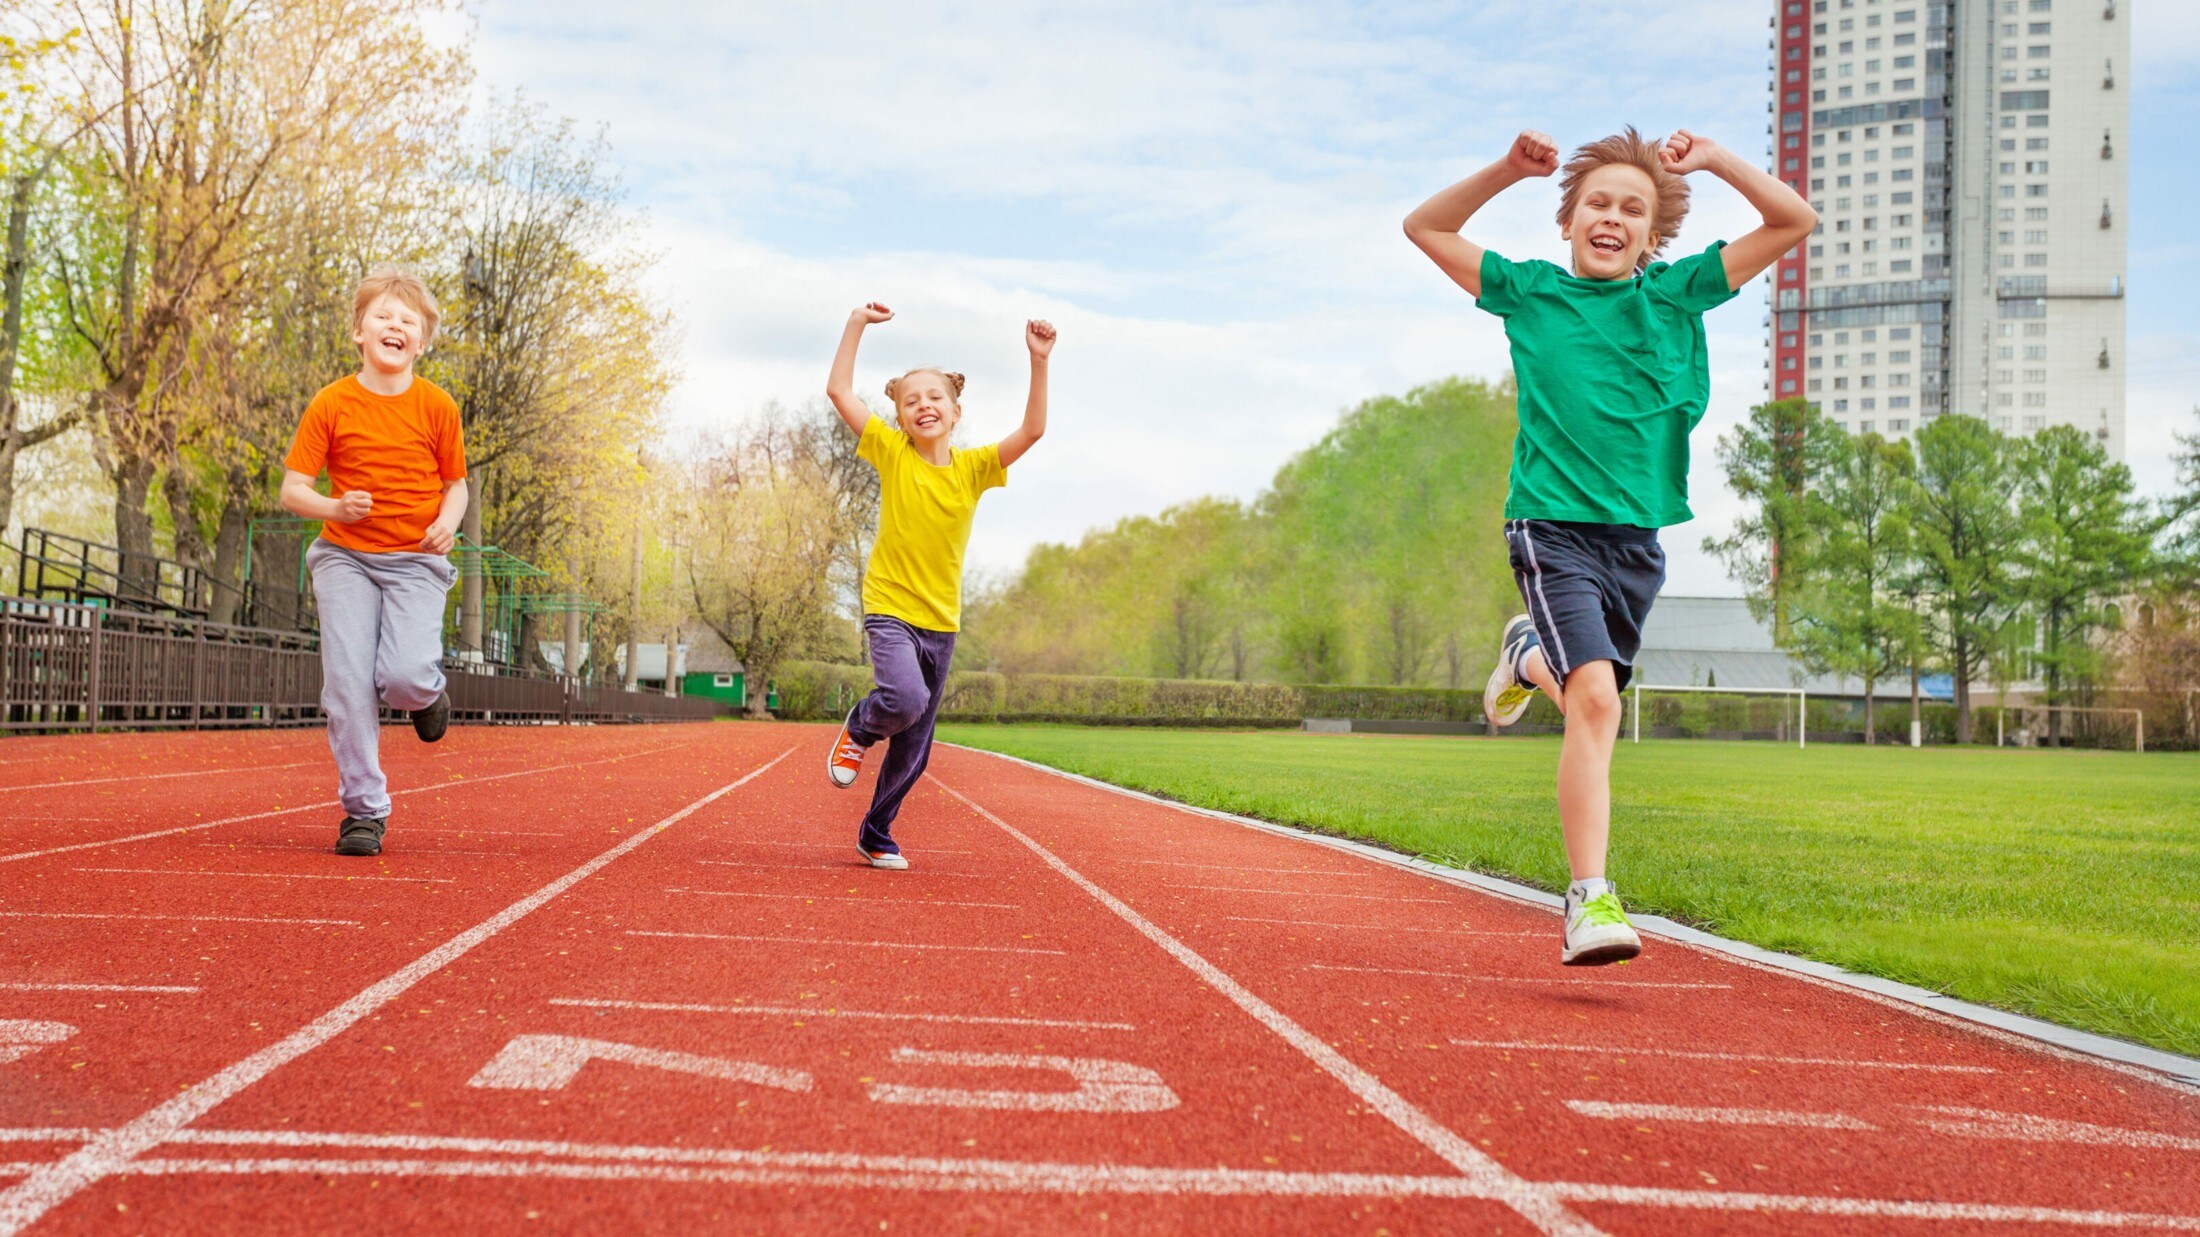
(953, 380)
(407, 288)
(1629, 149)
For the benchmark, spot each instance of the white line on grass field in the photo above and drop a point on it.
(325, 803)
(281, 876)
(50, 1185)
(1601, 981)
(154, 777)
(27, 986)
(334, 923)
(1379, 927)
(1486, 1174)
(1317, 893)
(813, 940)
(1614, 1050)
(843, 1170)
(801, 1011)
(1715, 1116)
(827, 897)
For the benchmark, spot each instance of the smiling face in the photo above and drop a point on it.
(390, 334)
(925, 405)
(1614, 222)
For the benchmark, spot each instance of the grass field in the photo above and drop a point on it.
(2065, 885)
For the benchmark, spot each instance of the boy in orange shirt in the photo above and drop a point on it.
(397, 479)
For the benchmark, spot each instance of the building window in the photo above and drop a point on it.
(2035, 399)
(1898, 425)
(2035, 259)
(2035, 375)
(2035, 352)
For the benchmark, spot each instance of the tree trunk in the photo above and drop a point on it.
(226, 574)
(1963, 689)
(1871, 737)
(1917, 705)
(134, 528)
(2054, 678)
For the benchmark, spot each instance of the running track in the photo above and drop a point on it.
(618, 978)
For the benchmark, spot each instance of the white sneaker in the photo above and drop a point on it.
(1597, 931)
(1507, 695)
(886, 859)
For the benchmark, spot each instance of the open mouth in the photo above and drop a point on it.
(395, 343)
(1607, 244)
(926, 420)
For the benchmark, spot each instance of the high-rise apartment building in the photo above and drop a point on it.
(1966, 158)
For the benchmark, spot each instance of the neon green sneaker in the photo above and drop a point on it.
(1507, 695)
(1597, 931)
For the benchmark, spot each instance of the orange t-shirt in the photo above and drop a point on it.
(400, 448)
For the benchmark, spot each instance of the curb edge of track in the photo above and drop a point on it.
(2178, 1072)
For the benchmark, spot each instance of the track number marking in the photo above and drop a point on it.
(19, 1039)
(1102, 1086)
(551, 1062)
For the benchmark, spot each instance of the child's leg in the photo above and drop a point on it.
(929, 653)
(1592, 705)
(408, 659)
(350, 606)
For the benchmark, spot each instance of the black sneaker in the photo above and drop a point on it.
(360, 837)
(431, 722)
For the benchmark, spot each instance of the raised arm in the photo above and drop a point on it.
(1788, 219)
(840, 386)
(1434, 225)
(1039, 338)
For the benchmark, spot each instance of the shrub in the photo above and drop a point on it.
(814, 691)
(1102, 698)
(1394, 704)
(974, 695)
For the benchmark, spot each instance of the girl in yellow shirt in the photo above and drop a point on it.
(912, 587)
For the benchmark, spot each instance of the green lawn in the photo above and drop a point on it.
(2065, 885)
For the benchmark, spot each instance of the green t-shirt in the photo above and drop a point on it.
(1612, 376)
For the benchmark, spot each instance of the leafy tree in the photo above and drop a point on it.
(1771, 460)
(1966, 530)
(1847, 611)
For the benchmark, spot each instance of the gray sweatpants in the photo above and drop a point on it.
(381, 643)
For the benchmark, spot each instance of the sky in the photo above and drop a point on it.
(1206, 202)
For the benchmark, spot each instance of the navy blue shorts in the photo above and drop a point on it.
(1588, 589)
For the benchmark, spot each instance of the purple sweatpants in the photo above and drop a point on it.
(909, 665)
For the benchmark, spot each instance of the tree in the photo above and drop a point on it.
(1771, 461)
(1965, 527)
(1847, 611)
(2082, 541)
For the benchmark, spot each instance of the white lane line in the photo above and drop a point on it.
(459, 784)
(338, 923)
(826, 897)
(819, 1169)
(2023, 1127)
(26, 986)
(283, 876)
(1610, 1050)
(516, 833)
(1597, 980)
(1715, 1116)
(294, 849)
(1875, 1208)
(1316, 893)
(801, 1011)
(151, 777)
(1379, 927)
(927, 873)
(926, 850)
(1485, 1174)
(1231, 867)
(812, 940)
(22, 1204)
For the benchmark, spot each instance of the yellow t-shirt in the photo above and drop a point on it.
(924, 512)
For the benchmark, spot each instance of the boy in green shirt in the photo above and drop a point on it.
(1612, 375)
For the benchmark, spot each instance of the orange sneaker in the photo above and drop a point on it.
(847, 758)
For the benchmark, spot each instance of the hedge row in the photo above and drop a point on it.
(818, 691)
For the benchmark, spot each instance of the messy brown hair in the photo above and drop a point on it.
(407, 288)
(1635, 151)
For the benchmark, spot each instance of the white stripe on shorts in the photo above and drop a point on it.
(1562, 665)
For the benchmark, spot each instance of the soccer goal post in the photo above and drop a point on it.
(1737, 713)
(2069, 725)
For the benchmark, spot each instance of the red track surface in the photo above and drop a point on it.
(614, 978)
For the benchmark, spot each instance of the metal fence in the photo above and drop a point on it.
(86, 667)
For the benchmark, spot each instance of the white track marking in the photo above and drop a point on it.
(515, 833)
(827, 897)
(1598, 980)
(20, 1038)
(1610, 1050)
(1316, 893)
(336, 923)
(1983, 1123)
(1379, 927)
(1231, 867)
(27, 986)
(280, 876)
(150, 777)
(552, 1062)
(292, 849)
(1486, 1174)
(843, 1170)
(1102, 1085)
(459, 784)
(837, 846)
(802, 1011)
(1715, 1116)
(22, 1204)
(851, 865)
(1875, 1208)
(811, 940)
